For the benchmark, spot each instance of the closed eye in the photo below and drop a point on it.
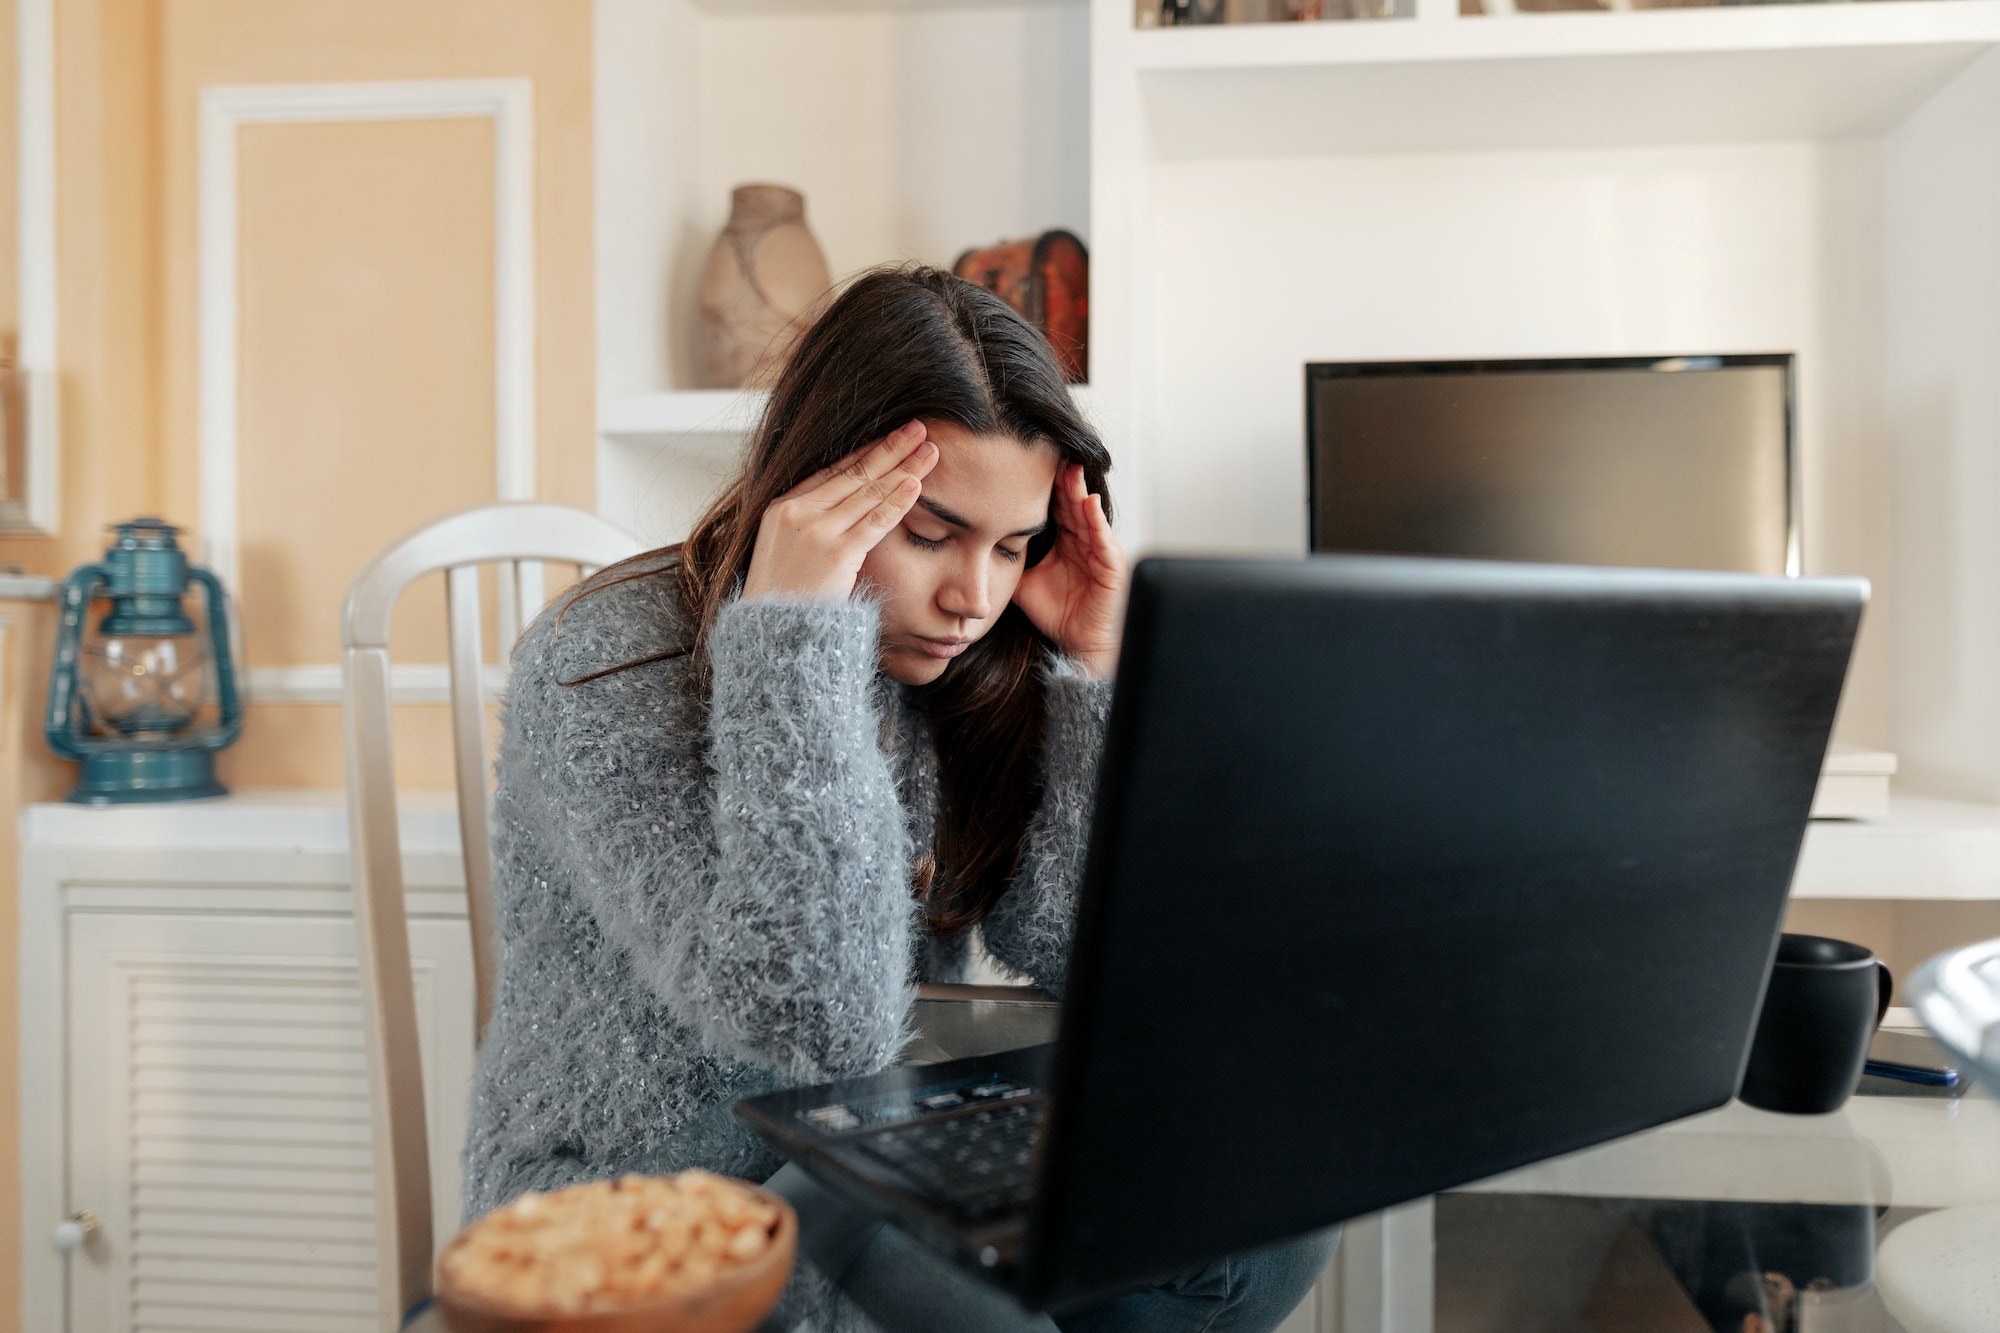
(1006, 554)
(923, 543)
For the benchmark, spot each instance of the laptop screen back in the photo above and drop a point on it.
(1409, 872)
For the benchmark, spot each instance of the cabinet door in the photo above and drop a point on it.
(219, 1123)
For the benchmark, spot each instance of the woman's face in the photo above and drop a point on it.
(950, 568)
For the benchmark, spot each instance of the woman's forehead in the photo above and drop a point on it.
(992, 481)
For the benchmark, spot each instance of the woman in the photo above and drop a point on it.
(754, 787)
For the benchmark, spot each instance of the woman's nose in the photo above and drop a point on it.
(968, 594)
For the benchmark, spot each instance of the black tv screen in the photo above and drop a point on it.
(1684, 462)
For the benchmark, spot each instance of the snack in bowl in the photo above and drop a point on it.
(637, 1244)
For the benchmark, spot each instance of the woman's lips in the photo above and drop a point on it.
(943, 649)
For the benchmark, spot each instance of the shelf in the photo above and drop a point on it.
(1741, 74)
(743, 8)
(1926, 848)
(680, 412)
(703, 420)
(29, 588)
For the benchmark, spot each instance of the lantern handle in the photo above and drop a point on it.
(77, 591)
(225, 666)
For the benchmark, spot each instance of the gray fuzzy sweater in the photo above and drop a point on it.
(698, 903)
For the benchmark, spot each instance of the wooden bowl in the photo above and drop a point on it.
(735, 1303)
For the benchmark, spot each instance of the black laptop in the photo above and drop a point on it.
(1403, 873)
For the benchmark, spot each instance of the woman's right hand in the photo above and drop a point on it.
(813, 538)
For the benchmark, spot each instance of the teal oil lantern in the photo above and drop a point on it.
(126, 694)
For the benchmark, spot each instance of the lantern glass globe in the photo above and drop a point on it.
(143, 685)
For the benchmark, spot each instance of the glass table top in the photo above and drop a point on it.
(1889, 1151)
(1882, 1217)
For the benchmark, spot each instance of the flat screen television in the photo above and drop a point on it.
(1680, 462)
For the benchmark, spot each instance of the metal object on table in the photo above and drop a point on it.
(1957, 995)
(954, 1022)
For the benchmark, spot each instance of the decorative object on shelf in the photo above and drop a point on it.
(126, 694)
(1369, 9)
(1047, 279)
(1853, 783)
(763, 273)
(1174, 13)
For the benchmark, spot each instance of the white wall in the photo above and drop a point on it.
(647, 53)
(1943, 228)
(914, 135)
(1268, 264)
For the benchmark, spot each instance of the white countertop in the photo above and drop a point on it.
(308, 821)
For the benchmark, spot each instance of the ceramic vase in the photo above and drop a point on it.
(763, 274)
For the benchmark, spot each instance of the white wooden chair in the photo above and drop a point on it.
(519, 539)
(951, 1021)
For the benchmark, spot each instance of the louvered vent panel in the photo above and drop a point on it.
(252, 1198)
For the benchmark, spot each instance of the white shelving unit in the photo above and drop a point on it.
(1823, 179)
(1741, 74)
(1927, 849)
(672, 414)
(660, 453)
(1818, 178)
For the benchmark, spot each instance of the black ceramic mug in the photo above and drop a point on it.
(1825, 1000)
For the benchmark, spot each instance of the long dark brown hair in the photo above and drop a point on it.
(898, 344)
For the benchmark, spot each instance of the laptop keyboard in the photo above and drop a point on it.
(974, 1163)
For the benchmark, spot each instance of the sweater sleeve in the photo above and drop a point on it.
(763, 898)
(1029, 929)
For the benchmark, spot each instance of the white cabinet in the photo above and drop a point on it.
(193, 1073)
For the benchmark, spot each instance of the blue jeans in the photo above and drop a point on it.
(907, 1288)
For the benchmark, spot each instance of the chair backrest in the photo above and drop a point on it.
(519, 539)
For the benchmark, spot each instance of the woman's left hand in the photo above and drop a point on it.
(1076, 594)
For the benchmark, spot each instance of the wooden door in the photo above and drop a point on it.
(219, 1118)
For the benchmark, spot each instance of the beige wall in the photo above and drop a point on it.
(10, 204)
(367, 329)
(366, 317)
(11, 420)
(366, 376)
